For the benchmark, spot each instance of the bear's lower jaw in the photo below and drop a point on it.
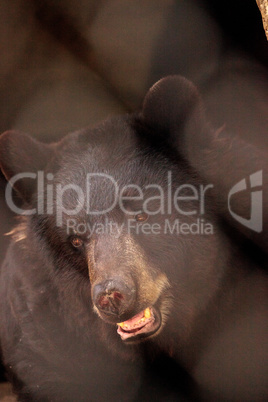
(143, 325)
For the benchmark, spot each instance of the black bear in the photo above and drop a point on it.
(126, 243)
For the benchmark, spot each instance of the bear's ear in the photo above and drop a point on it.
(174, 108)
(20, 153)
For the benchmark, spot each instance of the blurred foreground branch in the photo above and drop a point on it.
(263, 6)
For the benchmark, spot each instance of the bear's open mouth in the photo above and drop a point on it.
(142, 325)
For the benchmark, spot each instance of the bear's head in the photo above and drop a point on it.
(126, 214)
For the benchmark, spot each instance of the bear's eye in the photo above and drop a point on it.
(142, 217)
(77, 242)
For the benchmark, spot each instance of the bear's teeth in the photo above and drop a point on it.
(147, 313)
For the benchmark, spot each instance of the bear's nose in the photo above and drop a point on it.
(113, 296)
